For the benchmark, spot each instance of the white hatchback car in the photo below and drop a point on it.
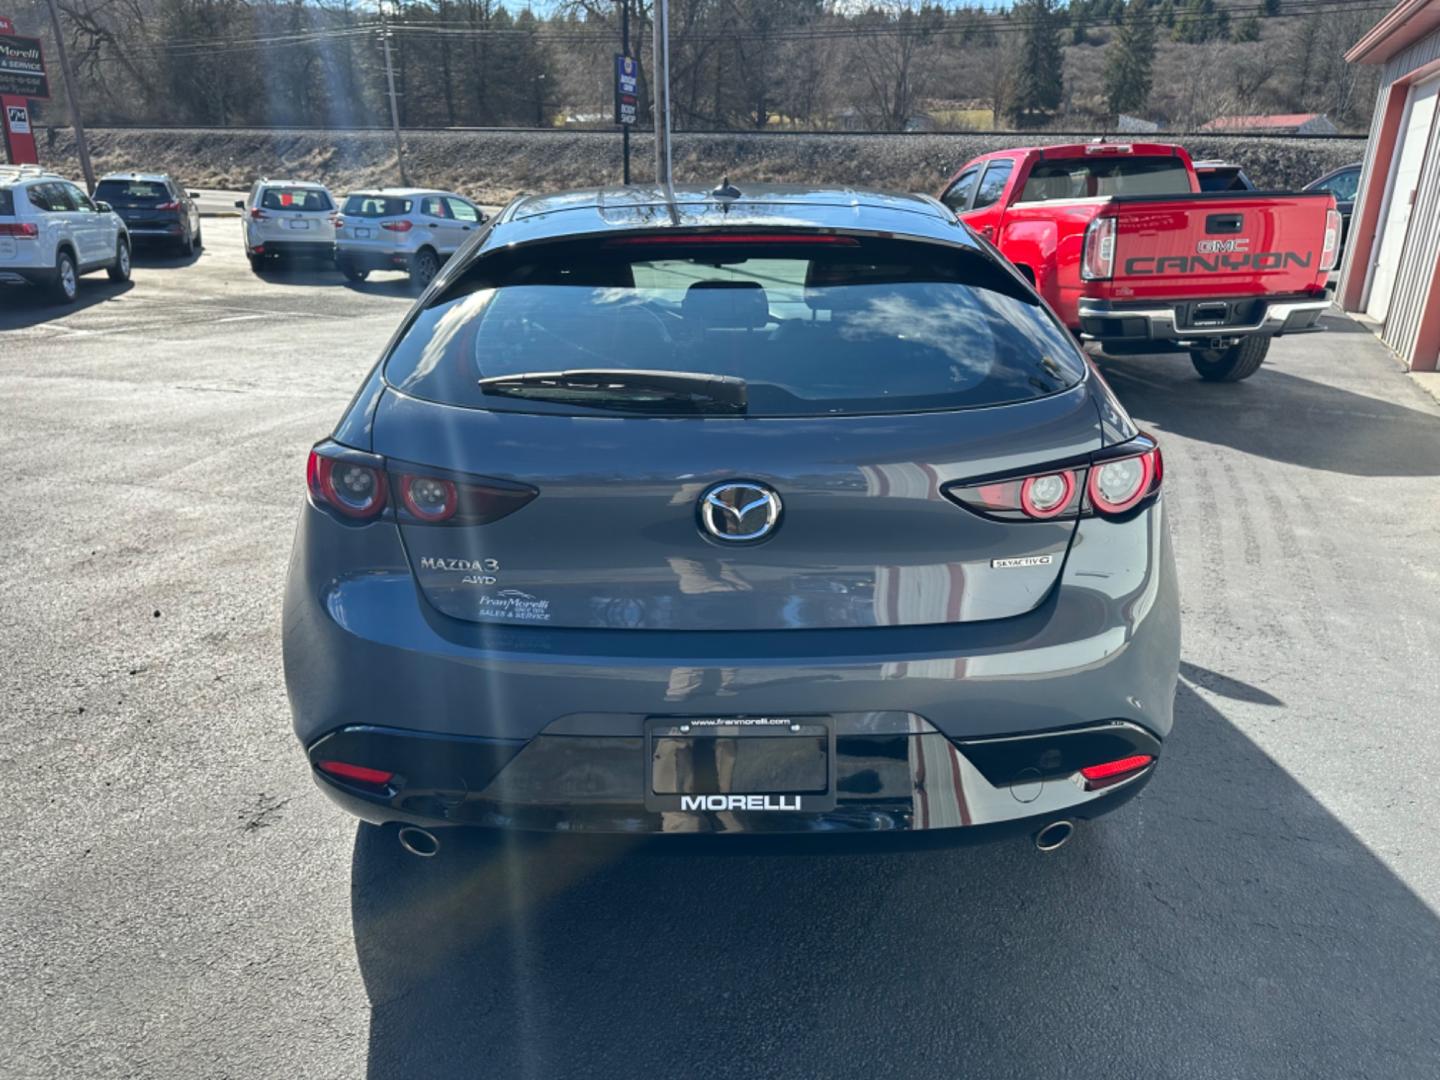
(51, 232)
(410, 229)
(288, 219)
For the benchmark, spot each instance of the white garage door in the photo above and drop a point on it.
(1399, 199)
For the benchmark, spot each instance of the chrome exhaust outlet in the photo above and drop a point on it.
(1054, 836)
(423, 842)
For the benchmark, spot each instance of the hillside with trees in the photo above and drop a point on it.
(736, 64)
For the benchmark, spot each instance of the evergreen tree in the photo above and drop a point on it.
(1270, 8)
(1128, 67)
(1039, 82)
(1248, 29)
(1198, 22)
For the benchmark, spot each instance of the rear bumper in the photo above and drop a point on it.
(560, 713)
(898, 781)
(1198, 324)
(372, 259)
(295, 249)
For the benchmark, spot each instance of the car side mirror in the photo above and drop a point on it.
(239, 204)
(193, 194)
(102, 207)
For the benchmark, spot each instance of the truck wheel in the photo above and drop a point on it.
(1232, 364)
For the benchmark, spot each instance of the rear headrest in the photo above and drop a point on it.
(731, 305)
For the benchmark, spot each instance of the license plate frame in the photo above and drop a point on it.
(362, 233)
(745, 739)
(299, 223)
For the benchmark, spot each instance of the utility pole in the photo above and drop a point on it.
(660, 99)
(394, 108)
(72, 94)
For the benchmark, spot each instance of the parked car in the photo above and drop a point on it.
(288, 219)
(410, 229)
(1343, 183)
(778, 510)
(154, 207)
(1222, 176)
(1123, 244)
(51, 232)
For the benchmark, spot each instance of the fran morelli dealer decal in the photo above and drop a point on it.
(513, 604)
(1026, 560)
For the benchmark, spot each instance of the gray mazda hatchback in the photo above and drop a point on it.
(775, 510)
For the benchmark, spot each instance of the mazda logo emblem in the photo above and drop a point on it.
(739, 512)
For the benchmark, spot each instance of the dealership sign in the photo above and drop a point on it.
(22, 67)
(627, 89)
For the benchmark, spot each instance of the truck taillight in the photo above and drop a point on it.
(26, 229)
(256, 214)
(1330, 253)
(1098, 260)
(397, 226)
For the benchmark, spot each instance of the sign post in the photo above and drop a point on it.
(627, 100)
(22, 76)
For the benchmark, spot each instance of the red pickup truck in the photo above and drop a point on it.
(1122, 243)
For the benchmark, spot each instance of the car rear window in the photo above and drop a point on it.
(815, 328)
(131, 191)
(7, 202)
(375, 206)
(286, 198)
(1084, 178)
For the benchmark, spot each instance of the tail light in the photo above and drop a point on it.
(397, 226)
(360, 773)
(1112, 772)
(358, 487)
(1113, 483)
(1098, 261)
(337, 221)
(1330, 252)
(19, 228)
(347, 481)
(168, 206)
(256, 214)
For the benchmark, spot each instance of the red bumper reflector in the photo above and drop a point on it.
(1095, 775)
(346, 771)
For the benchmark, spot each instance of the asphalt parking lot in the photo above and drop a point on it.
(179, 901)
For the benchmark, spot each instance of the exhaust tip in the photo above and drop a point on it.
(1054, 836)
(422, 842)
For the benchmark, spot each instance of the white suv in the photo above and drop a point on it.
(411, 229)
(288, 219)
(51, 232)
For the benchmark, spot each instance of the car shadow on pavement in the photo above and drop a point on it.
(1222, 924)
(158, 257)
(1283, 417)
(22, 306)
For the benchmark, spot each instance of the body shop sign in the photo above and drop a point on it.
(22, 67)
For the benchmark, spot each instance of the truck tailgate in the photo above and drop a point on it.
(1216, 245)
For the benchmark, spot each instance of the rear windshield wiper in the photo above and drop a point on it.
(622, 388)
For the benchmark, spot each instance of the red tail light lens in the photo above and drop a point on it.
(1117, 486)
(345, 771)
(337, 221)
(256, 214)
(168, 206)
(1098, 259)
(429, 498)
(343, 482)
(1112, 772)
(397, 226)
(19, 228)
(1330, 253)
(1047, 496)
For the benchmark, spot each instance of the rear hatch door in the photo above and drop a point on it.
(860, 377)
